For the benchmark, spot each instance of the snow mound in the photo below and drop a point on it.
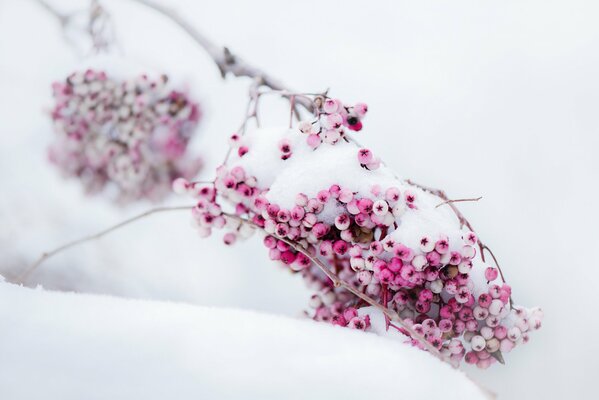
(73, 346)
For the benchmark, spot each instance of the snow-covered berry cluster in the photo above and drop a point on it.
(129, 136)
(333, 118)
(429, 285)
(369, 236)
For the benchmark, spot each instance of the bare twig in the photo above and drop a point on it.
(226, 61)
(23, 277)
(457, 201)
(98, 26)
(441, 194)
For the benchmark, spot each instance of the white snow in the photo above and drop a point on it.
(309, 171)
(73, 346)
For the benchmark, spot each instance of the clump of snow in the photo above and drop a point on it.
(74, 346)
(310, 171)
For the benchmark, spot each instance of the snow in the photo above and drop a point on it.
(73, 346)
(309, 171)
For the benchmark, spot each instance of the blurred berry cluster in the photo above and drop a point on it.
(129, 137)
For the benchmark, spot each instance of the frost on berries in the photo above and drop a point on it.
(130, 137)
(381, 235)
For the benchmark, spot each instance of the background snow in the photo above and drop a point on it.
(499, 98)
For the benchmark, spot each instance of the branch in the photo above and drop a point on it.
(458, 201)
(23, 277)
(226, 61)
(441, 194)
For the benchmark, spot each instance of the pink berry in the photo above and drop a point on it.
(314, 141)
(180, 185)
(491, 274)
(365, 156)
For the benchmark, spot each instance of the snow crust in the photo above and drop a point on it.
(74, 346)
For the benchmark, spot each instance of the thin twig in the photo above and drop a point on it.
(255, 95)
(458, 201)
(98, 26)
(441, 194)
(201, 183)
(23, 277)
(292, 109)
(225, 60)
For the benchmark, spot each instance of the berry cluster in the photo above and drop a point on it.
(431, 283)
(129, 135)
(332, 120)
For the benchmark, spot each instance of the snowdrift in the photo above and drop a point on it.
(73, 346)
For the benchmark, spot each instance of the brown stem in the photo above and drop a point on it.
(226, 61)
(441, 194)
(292, 109)
(23, 277)
(458, 201)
